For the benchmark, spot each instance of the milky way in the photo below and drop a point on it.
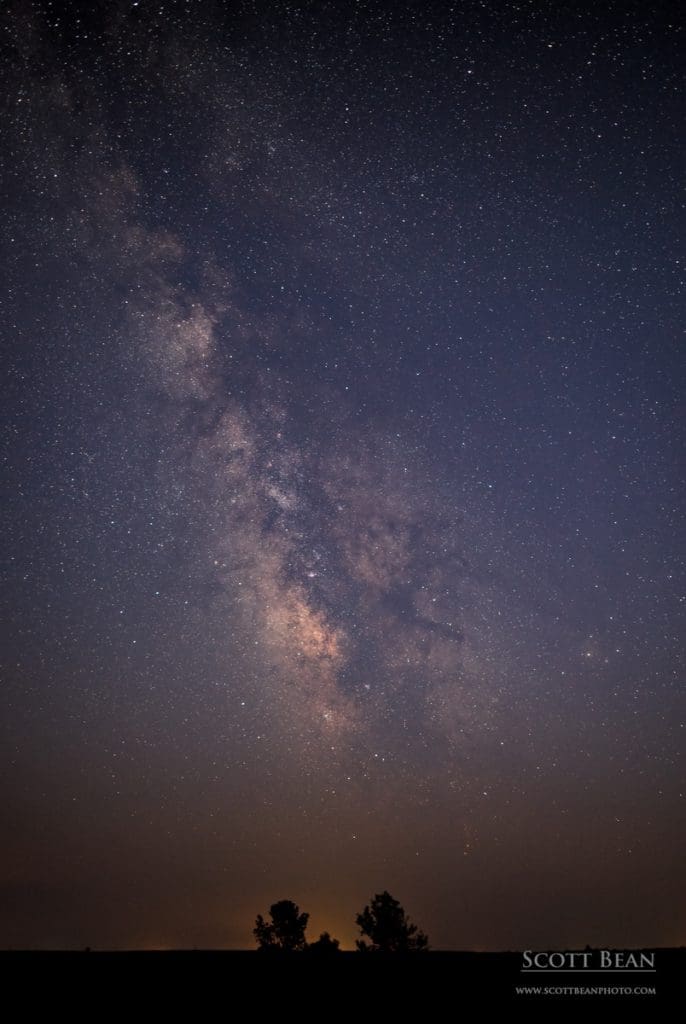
(342, 439)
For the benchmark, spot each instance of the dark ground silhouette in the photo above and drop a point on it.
(457, 980)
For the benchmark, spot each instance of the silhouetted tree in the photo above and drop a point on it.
(385, 923)
(286, 933)
(324, 945)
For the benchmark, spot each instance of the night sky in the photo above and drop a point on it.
(342, 444)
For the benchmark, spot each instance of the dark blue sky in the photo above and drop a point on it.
(344, 453)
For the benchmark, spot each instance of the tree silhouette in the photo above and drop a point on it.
(388, 928)
(286, 933)
(324, 945)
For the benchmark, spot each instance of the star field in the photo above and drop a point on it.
(343, 534)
